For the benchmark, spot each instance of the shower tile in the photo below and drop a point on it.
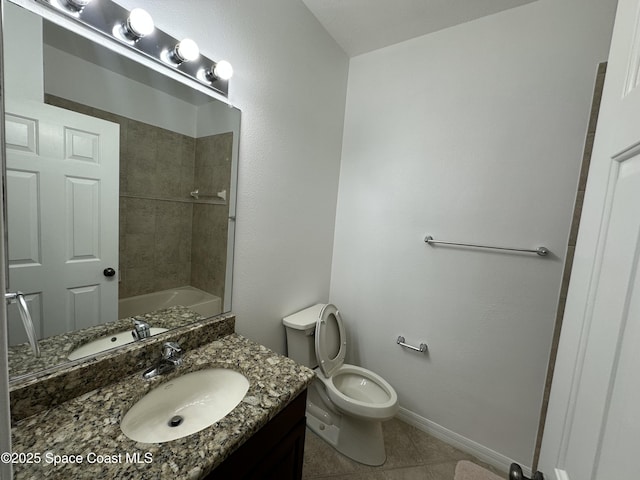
(575, 223)
(170, 275)
(140, 216)
(213, 162)
(123, 153)
(187, 167)
(597, 97)
(209, 248)
(170, 248)
(169, 163)
(566, 276)
(141, 158)
(139, 280)
(586, 160)
(139, 250)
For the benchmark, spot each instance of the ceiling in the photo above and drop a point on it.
(360, 26)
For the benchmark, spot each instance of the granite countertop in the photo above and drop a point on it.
(55, 350)
(89, 426)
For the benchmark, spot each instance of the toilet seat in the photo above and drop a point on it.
(329, 364)
(361, 393)
(352, 389)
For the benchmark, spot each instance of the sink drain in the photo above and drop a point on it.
(175, 421)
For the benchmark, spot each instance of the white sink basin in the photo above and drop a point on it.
(108, 341)
(185, 405)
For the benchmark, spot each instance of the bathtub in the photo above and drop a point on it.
(193, 298)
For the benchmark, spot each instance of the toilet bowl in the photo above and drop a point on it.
(346, 403)
(361, 393)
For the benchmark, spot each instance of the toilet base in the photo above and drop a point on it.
(360, 440)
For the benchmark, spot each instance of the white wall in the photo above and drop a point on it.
(22, 54)
(216, 117)
(109, 91)
(470, 134)
(290, 83)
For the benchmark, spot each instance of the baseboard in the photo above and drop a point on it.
(462, 443)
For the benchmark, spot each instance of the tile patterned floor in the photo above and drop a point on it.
(411, 455)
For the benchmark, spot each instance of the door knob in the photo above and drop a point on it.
(109, 272)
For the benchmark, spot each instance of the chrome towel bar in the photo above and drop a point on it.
(422, 348)
(542, 251)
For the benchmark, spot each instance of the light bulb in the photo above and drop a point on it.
(186, 51)
(139, 23)
(222, 70)
(77, 5)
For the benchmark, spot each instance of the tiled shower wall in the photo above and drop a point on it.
(573, 236)
(210, 222)
(168, 239)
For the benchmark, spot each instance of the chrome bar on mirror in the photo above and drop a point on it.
(23, 309)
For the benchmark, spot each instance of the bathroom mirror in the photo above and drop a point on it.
(120, 193)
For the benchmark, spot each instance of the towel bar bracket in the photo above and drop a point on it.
(422, 348)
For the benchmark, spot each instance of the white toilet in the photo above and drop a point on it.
(345, 404)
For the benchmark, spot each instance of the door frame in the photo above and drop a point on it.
(6, 472)
(569, 375)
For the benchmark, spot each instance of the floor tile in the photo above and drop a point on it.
(400, 448)
(380, 475)
(437, 471)
(321, 459)
(433, 450)
(411, 455)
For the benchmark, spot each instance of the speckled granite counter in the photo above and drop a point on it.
(90, 424)
(35, 393)
(55, 350)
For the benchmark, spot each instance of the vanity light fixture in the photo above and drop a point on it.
(134, 28)
(76, 5)
(185, 51)
(220, 71)
(139, 24)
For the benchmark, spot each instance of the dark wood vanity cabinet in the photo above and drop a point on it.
(274, 452)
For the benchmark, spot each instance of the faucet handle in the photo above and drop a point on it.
(141, 329)
(171, 351)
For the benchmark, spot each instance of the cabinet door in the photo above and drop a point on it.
(284, 460)
(275, 452)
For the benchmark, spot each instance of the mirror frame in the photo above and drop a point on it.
(49, 13)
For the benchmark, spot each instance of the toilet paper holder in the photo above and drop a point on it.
(422, 348)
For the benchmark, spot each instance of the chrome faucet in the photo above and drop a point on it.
(23, 309)
(141, 330)
(171, 358)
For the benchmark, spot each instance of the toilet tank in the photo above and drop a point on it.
(300, 328)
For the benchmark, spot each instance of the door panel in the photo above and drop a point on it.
(592, 430)
(62, 183)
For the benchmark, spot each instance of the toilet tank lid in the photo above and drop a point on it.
(304, 319)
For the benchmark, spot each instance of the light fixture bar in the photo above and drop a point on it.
(107, 16)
